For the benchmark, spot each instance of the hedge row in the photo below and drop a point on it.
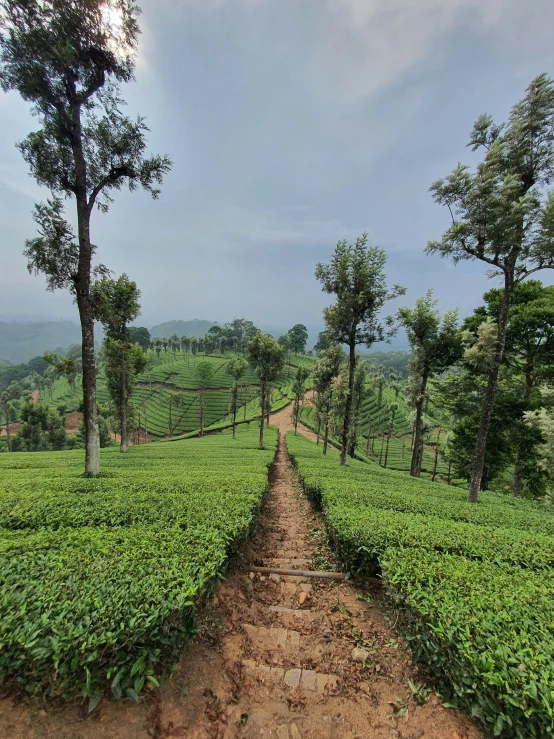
(476, 597)
(99, 584)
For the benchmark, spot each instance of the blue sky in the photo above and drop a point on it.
(291, 124)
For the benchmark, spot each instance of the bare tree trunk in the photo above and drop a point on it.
(318, 428)
(8, 430)
(326, 437)
(417, 455)
(349, 399)
(262, 413)
(201, 413)
(145, 423)
(368, 434)
(234, 399)
(404, 441)
(436, 456)
(124, 443)
(488, 398)
(82, 294)
(387, 450)
(381, 452)
(449, 478)
(412, 439)
(170, 419)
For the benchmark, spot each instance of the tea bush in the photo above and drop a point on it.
(100, 578)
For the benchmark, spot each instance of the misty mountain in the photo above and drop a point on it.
(19, 342)
(196, 328)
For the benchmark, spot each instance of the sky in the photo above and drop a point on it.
(291, 124)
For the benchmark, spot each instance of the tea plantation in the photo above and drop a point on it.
(100, 578)
(473, 584)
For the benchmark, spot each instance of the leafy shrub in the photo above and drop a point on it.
(100, 578)
(474, 582)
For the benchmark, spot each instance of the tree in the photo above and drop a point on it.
(324, 341)
(360, 378)
(267, 356)
(529, 352)
(435, 344)
(204, 372)
(42, 429)
(236, 368)
(67, 58)
(299, 388)
(239, 331)
(324, 373)
(298, 338)
(356, 276)
(501, 216)
(64, 366)
(139, 335)
(115, 304)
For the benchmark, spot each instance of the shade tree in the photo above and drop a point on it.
(356, 277)
(267, 357)
(67, 58)
(502, 216)
(436, 345)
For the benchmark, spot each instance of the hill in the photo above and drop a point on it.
(196, 328)
(19, 342)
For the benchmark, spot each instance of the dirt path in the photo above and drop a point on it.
(278, 657)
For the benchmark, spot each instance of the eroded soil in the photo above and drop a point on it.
(279, 657)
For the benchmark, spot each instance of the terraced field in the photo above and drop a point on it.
(166, 394)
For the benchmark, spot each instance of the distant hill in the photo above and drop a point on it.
(19, 342)
(197, 328)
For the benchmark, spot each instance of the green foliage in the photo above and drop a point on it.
(297, 338)
(100, 578)
(42, 429)
(472, 583)
(139, 335)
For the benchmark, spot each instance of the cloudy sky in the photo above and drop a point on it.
(291, 124)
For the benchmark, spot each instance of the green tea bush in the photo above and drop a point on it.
(473, 583)
(100, 578)
(486, 633)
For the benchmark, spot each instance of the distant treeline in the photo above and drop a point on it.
(396, 360)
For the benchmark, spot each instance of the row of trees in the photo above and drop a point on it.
(501, 215)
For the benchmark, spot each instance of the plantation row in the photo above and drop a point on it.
(473, 584)
(399, 451)
(100, 578)
(167, 398)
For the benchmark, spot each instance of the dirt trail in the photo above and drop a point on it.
(278, 657)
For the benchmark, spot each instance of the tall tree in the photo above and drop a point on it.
(203, 373)
(299, 388)
(141, 336)
(324, 373)
(267, 357)
(298, 338)
(66, 58)
(116, 303)
(502, 216)
(528, 355)
(323, 342)
(436, 345)
(237, 369)
(356, 276)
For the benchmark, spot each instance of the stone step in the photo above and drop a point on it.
(285, 641)
(309, 680)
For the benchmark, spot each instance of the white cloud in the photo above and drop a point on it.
(365, 45)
